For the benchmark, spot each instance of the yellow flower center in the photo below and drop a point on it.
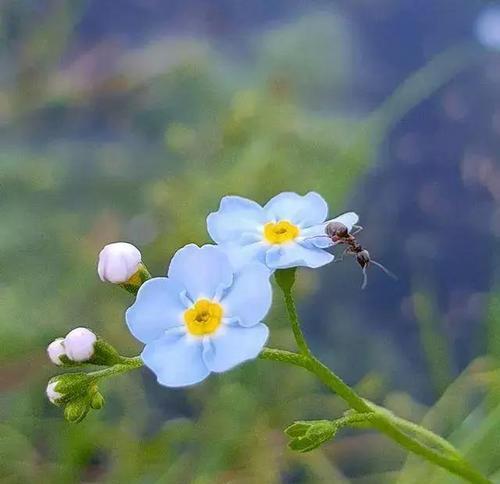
(204, 317)
(280, 232)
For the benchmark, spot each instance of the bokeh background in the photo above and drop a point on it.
(129, 119)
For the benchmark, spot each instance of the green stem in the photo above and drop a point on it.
(401, 431)
(286, 279)
(127, 364)
(426, 435)
(383, 420)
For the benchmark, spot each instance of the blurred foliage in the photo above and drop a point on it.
(139, 144)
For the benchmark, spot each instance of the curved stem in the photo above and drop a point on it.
(426, 435)
(401, 431)
(383, 420)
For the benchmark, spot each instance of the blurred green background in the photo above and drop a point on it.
(129, 119)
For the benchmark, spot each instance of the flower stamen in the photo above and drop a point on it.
(203, 318)
(280, 232)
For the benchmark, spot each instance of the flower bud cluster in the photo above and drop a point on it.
(77, 393)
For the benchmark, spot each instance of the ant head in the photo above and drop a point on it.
(363, 258)
(336, 229)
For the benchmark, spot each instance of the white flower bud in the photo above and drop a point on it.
(55, 350)
(79, 344)
(118, 262)
(52, 395)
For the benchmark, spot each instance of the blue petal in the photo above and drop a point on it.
(234, 344)
(157, 307)
(293, 254)
(249, 298)
(348, 219)
(236, 217)
(241, 255)
(306, 210)
(315, 236)
(203, 271)
(176, 359)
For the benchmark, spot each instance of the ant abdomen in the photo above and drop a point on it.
(363, 258)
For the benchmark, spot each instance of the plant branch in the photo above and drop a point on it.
(383, 420)
(128, 364)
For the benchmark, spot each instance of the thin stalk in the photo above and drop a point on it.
(286, 279)
(384, 421)
(128, 364)
(401, 431)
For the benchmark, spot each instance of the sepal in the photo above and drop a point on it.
(135, 282)
(105, 354)
(285, 278)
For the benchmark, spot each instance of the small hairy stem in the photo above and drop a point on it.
(411, 436)
(127, 364)
(425, 435)
(285, 279)
(383, 420)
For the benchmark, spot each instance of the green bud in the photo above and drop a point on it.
(71, 386)
(76, 411)
(97, 401)
(309, 435)
(297, 429)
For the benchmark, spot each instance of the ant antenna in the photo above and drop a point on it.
(358, 229)
(387, 271)
(365, 278)
(380, 266)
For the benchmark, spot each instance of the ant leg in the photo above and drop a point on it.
(365, 279)
(358, 229)
(341, 257)
(387, 271)
(317, 237)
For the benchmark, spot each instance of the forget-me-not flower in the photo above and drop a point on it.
(288, 231)
(203, 317)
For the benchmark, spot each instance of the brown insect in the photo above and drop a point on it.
(339, 234)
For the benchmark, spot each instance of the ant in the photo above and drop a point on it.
(339, 234)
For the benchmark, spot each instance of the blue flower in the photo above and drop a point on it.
(204, 317)
(288, 231)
